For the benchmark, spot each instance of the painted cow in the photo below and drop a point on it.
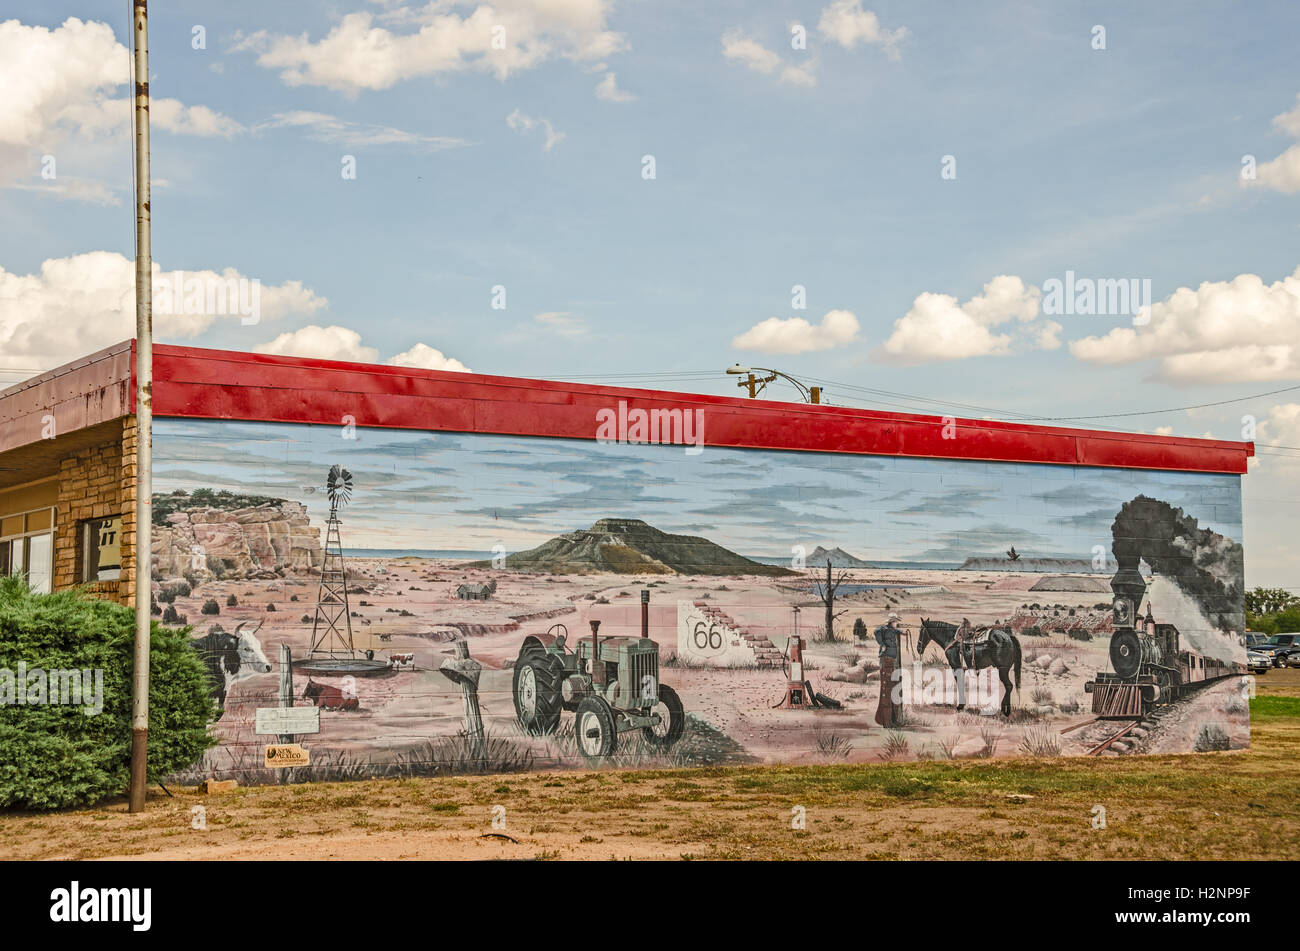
(401, 661)
(329, 698)
(230, 658)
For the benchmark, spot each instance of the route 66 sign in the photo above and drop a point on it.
(707, 639)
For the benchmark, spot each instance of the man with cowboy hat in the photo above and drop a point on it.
(888, 639)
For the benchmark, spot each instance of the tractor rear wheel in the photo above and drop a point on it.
(672, 719)
(537, 692)
(595, 728)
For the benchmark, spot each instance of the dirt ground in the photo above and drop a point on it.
(1229, 805)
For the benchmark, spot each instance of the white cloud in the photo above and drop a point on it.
(1289, 122)
(802, 75)
(59, 86)
(748, 52)
(846, 23)
(89, 299)
(174, 116)
(607, 89)
(1222, 332)
(796, 335)
(46, 73)
(321, 343)
(358, 55)
(938, 328)
(523, 124)
(1282, 427)
(548, 324)
(1282, 173)
(562, 323)
(328, 128)
(342, 343)
(427, 358)
(76, 189)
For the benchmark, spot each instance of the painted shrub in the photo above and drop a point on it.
(487, 602)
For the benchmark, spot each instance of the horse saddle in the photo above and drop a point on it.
(979, 635)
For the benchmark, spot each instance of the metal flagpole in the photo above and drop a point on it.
(142, 570)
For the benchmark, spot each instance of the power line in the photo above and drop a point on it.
(1179, 409)
(850, 387)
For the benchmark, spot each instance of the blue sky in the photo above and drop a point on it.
(774, 167)
(471, 492)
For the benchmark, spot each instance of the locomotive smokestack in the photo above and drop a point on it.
(1129, 584)
(645, 613)
(1205, 565)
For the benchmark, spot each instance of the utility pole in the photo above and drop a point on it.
(142, 569)
(755, 384)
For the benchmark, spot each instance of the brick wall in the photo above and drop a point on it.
(97, 481)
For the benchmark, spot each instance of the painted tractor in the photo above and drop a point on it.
(610, 683)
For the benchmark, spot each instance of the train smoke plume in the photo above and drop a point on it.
(1207, 566)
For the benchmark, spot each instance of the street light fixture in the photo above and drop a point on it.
(755, 383)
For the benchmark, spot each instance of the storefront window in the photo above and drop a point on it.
(102, 545)
(40, 559)
(27, 547)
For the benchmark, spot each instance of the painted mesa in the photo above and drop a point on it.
(472, 601)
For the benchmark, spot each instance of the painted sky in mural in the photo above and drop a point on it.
(453, 491)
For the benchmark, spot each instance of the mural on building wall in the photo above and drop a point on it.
(455, 602)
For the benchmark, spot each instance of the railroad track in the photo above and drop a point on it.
(1119, 734)
(1147, 721)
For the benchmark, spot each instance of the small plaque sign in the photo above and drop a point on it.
(286, 754)
(286, 721)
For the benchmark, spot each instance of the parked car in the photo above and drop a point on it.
(1254, 639)
(1257, 662)
(1280, 647)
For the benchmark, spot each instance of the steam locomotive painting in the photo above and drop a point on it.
(1150, 668)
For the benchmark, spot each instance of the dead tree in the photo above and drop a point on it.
(826, 593)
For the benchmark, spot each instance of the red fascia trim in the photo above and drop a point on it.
(78, 395)
(221, 384)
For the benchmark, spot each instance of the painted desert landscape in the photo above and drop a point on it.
(411, 718)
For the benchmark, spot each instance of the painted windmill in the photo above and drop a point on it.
(331, 630)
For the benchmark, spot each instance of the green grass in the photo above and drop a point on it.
(1263, 709)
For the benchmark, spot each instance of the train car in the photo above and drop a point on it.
(1149, 668)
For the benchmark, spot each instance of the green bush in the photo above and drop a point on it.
(1286, 621)
(210, 606)
(55, 755)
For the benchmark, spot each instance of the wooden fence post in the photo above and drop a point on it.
(463, 670)
(286, 699)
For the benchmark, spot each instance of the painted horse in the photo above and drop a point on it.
(1000, 649)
